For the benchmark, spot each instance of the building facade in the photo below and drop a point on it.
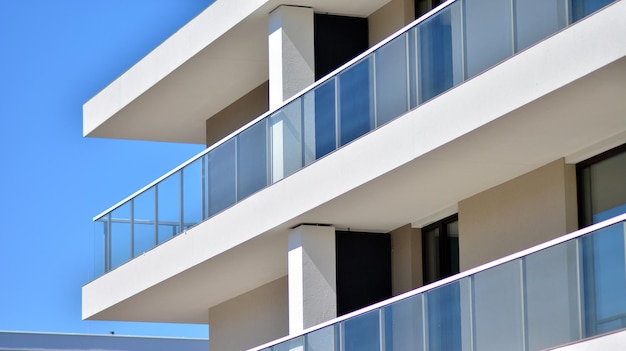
(379, 175)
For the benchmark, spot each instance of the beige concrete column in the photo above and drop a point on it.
(312, 276)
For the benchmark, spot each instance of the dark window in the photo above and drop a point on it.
(440, 249)
(602, 186)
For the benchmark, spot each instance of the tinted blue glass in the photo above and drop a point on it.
(582, 8)
(252, 165)
(355, 100)
(605, 279)
(325, 121)
(537, 19)
(362, 333)
(220, 168)
(404, 325)
(391, 80)
(325, 339)
(444, 318)
(488, 34)
(439, 52)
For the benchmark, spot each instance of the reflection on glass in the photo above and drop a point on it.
(143, 222)
(605, 283)
(322, 117)
(252, 165)
(222, 191)
(498, 305)
(361, 333)
(168, 204)
(296, 344)
(325, 339)
(120, 235)
(582, 8)
(100, 245)
(489, 33)
(391, 80)
(286, 135)
(444, 317)
(537, 19)
(192, 194)
(440, 52)
(404, 325)
(552, 310)
(355, 101)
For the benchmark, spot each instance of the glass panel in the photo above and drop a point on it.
(582, 8)
(391, 80)
(319, 121)
(488, 34)
(252, 165)
(286, 132)
(192, 194)
(552, 298)
(100, 245)
(404, 325)
(362, 333)
(325, 339)
(143, 222)
(537, 19)
(296, 344)
(221, 186)
(604, 279)
(168, 193)
(413, 64)
(120, 235)
(498, 303)
(430, 251)
(440, 52)
(444, 316)
(355, 101)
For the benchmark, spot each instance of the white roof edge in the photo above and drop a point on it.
(200, 32)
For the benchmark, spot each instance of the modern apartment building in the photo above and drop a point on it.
(379, 175)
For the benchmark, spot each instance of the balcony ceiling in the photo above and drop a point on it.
(208, 64)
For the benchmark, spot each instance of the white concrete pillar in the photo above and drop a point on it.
(291, 52)
(312, 276)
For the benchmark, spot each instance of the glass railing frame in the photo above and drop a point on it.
(269, 113)
(454, 278)
(370, 54)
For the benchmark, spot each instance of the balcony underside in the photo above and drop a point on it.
(561, 98)
(215, 59)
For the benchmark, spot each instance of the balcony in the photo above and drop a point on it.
(437, 52)
(559, 292)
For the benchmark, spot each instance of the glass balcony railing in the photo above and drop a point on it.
(559, 292)
(447, 46)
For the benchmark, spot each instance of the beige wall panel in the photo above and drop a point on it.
(240, 112)
(389, 18)
(523, 212)
(251, 319)
(406, 259)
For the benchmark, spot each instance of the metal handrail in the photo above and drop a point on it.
(456, 277)
(286, 102)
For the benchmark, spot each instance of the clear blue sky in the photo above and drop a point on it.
(54, 56)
